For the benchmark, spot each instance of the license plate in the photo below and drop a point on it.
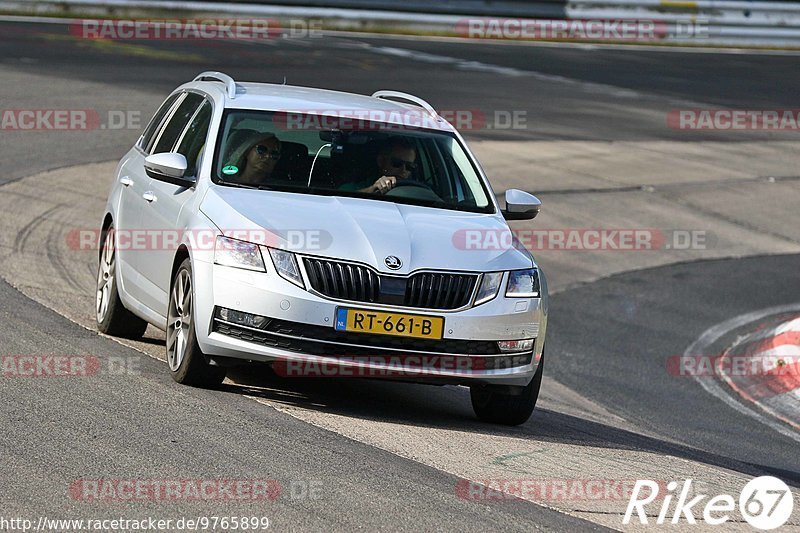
(397, 324)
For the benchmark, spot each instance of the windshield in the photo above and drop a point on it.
(312, 154)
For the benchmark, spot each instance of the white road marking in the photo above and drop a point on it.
(782, 350)
(786, 327)
(478, 66)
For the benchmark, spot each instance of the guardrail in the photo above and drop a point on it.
(488, 8)
(350, 9)
(698, 22)
(723, 21)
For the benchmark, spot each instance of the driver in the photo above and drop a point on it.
(396, 161)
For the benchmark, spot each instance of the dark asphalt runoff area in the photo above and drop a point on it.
(607, 340)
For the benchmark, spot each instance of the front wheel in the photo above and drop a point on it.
(492, 404)
(112, 317)
(187, 364)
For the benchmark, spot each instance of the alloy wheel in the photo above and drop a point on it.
(179, 319)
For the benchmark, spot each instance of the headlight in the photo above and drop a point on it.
(489, 286)
(238, 254)
(286, 266)
(523, 284)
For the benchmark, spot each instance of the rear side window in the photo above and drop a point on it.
(177, 122)
(194, 138)
(155, 122)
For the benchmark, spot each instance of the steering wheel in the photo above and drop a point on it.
(414, 189)
(411, 183)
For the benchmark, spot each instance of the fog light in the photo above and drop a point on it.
(524, 345)
(242, 319)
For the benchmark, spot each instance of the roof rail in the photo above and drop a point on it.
(409, 97)
(212, 75)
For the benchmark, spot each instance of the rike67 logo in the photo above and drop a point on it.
(765, 503)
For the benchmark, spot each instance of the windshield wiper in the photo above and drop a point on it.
(239, 185)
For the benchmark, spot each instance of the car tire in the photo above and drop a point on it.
(110, 313)
(186, 361)
(493, 404)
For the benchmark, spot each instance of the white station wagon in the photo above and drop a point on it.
(326, 234)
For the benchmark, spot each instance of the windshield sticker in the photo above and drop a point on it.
(230, 169)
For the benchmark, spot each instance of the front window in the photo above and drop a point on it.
(155, 122)
(314, 154)
(180, 118)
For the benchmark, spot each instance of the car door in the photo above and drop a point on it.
(128, 218)
(184, 133)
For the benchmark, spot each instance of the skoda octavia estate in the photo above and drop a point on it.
(325, 234)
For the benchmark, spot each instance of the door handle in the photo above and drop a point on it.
(126, 181)
(149, 196)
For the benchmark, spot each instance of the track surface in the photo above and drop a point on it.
(615, 336)
(608, 340)
(140, 426)
(605, 98)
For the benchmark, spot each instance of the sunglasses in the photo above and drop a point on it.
(272, 154)
(409, 165)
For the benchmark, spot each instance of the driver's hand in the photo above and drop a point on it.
(384, 184)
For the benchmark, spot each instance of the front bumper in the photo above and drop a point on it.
(300, 332)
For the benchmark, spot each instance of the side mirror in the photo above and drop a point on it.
(521, 205)
(169, 167)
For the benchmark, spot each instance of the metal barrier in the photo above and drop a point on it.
(719, 21)
(487, 8)
(699, 22)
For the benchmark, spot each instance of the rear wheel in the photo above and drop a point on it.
(186, 361)
(492, 403)
(112, 317)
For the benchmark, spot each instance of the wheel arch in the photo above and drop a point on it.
(181, 255)
(107, 221)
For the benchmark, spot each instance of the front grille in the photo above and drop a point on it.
(358, 283)
(343, 280)
(308, 339)
(439, 291)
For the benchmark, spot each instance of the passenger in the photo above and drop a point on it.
(257, 163)
(396, 160)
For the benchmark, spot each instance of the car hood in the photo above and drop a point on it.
(366, 231)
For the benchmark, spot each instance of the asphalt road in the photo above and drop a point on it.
(608, 340)
(602, 94)
(129, 422)
(616, 335)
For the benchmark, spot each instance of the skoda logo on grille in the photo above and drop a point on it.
(393, 262)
